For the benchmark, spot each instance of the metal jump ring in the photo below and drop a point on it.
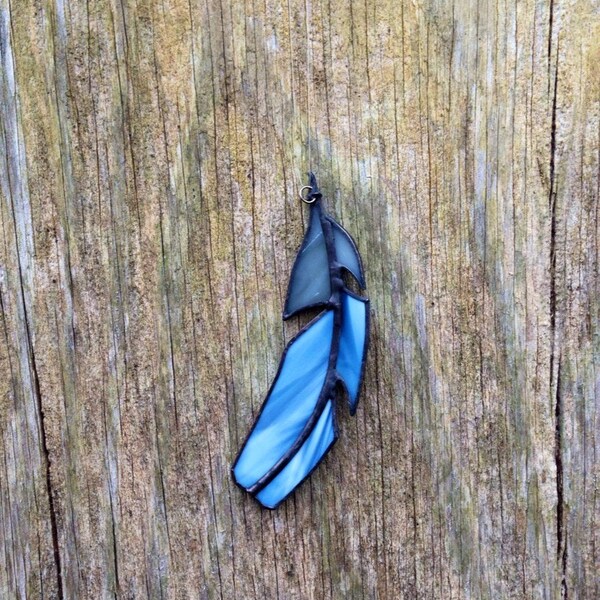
(308, 199)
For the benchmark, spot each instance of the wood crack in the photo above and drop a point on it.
(561, 529)
(561, 533)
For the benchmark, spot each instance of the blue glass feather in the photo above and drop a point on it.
(296, 425)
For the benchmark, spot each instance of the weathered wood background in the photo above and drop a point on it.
(151, 153)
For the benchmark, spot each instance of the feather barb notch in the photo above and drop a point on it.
(296, 425)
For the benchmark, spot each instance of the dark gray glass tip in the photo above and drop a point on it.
(347, 253)
(309, 281)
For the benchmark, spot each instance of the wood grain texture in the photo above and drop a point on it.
(150, 156)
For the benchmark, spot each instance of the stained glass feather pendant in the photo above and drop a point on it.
(296, 426)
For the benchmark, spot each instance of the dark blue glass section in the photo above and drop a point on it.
(309, 282)
(290, 403)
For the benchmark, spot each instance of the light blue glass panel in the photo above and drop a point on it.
(309, 282)
(352, 345)
(318, 442)
(346, 252)
(291, 402)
